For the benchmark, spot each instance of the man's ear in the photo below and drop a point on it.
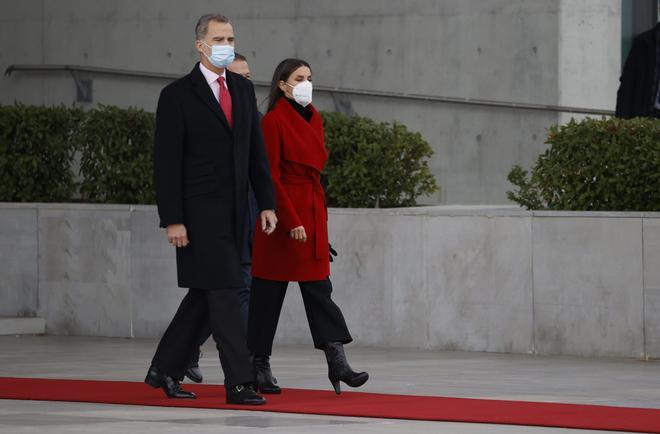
(199, 46)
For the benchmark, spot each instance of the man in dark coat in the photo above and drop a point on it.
(208, 145)
(238, 66)
(638, 94)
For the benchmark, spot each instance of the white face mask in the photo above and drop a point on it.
(302, 92)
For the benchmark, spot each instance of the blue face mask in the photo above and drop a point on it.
(221, 55)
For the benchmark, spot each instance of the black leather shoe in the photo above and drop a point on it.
(244, 394)
(193, 372)
(340, 370)
(170, 386)
(266, 383)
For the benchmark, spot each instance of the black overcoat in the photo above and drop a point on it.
(638, 87)
(202, 168)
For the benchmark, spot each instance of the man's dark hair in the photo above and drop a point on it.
(202, 26)
(240, 57)
(283, 72)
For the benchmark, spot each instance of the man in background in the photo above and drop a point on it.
(639, 92)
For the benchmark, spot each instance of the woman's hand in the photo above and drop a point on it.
(299, 234)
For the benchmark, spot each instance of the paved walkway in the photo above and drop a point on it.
(477, 375)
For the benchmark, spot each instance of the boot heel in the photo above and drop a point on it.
(336, 385)
(339, 369)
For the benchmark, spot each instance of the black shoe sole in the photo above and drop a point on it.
(246, 403)
(269, 391)
(182, 397)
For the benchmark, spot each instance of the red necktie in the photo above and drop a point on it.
(225, 101)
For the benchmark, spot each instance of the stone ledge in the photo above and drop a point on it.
(432, 211)
(22, 326)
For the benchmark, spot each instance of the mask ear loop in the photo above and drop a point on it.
(287, 84)
(206, 55)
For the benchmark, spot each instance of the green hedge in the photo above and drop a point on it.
(36, 153)
(594, 165)
(371, 164)
(116, 156)
(374, 164)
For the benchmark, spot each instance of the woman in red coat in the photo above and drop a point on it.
(298, 250)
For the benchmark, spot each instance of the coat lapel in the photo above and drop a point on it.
(203, 91)
(307, 146)
(236, 106)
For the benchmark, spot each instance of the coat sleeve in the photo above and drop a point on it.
(286, 214)
(168, 155)
(259, 171)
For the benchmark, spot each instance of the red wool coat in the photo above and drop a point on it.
(297, 155)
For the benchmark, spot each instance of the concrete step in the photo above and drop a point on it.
(22, 326)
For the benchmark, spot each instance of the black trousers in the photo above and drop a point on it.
(246, 269)
(325, 319)
(182, 335)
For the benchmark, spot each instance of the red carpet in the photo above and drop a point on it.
(347, 404)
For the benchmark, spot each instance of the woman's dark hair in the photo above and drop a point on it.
(282, 72)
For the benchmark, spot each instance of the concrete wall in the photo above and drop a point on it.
(452, 278)
(589, 38)
(19, 260)
(545, 52)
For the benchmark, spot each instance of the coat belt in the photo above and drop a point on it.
(320, 251)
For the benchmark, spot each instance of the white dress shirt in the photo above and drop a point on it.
(212, 79)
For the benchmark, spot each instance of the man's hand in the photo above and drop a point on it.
(268, 221)
(177, 235)
(299, 234)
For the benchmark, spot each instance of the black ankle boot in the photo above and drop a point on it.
(266, 383)
(339, 369)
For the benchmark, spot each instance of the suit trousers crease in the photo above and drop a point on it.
(181, 337)
(326, 322)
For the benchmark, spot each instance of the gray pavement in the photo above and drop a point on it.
(477, 375)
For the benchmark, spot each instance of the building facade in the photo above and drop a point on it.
(481, 81)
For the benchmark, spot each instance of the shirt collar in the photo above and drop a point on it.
(211, 76)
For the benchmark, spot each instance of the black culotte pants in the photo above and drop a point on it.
(182, 335)
(325, 319)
